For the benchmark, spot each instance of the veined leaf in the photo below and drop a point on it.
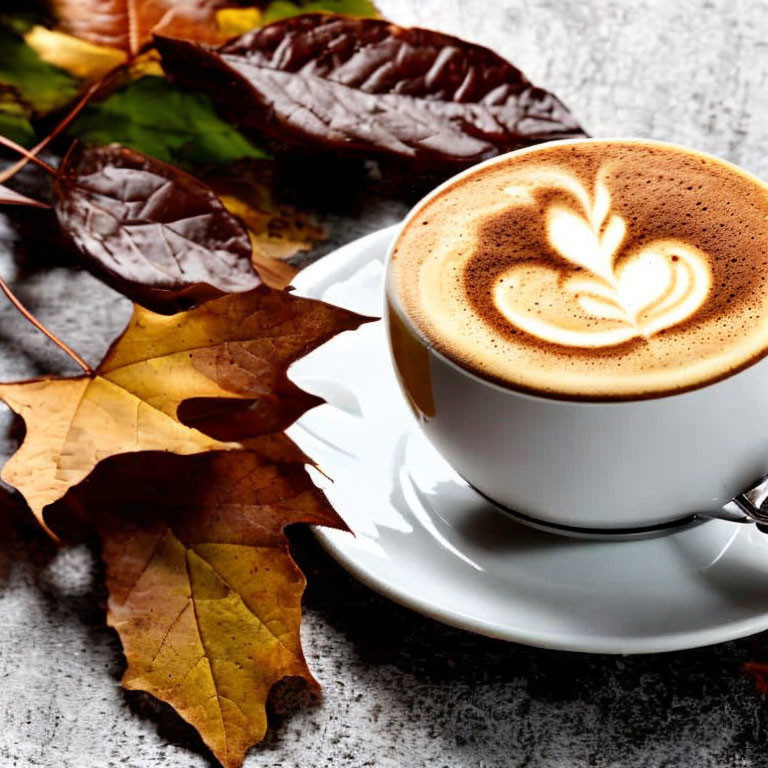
(152, 231)
(366, 86)
(232, 351)
(202, 588)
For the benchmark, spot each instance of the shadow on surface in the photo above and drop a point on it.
(541, 705)
(22, 541)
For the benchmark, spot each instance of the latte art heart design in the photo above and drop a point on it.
(654, 288)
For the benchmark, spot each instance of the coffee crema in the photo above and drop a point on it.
(595, 269)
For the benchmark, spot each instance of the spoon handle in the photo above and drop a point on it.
(747, 506)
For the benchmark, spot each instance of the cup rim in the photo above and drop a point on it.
(394, 303)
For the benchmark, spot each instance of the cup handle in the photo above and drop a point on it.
(746, 507)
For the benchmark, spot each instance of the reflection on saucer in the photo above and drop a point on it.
(425, 539)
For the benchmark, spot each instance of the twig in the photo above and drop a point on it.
(27, 154)
(40, 327)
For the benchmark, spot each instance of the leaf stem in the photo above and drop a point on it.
(27, 154)
(40, 327)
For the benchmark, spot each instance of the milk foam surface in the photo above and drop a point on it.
(593, 269)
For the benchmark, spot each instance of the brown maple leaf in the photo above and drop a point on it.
(181, 383)
(202, 589)
(128, 24)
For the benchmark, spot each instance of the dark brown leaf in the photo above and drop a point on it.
(155, 233)
(369, 86)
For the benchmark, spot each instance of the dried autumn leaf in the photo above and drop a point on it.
(147, 63)
(248, 192)
(153, 232)
(365, 85)
(233, 351)
(223, 365)
(274, 272)
(128, 24)
(235, 21)
(72, 424)
(78, 57)
(202, 588)
(277, 231)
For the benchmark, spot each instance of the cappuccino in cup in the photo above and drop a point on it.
(600, 270)
(581, 329)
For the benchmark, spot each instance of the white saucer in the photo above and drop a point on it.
(428, 541)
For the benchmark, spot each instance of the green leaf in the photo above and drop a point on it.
(284, 9)
(158, 119)
(42, 86)
(15, 125)
(15, 117)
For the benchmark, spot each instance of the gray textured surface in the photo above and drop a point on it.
(401, 690)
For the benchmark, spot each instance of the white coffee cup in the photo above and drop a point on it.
(603, 466)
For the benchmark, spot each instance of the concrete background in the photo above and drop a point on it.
(401, 690)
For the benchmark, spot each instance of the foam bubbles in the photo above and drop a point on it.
(593, 270)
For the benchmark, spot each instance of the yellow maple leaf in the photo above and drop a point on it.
(202, 589)
(73, 423)
(231, 351)
(78, 57)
